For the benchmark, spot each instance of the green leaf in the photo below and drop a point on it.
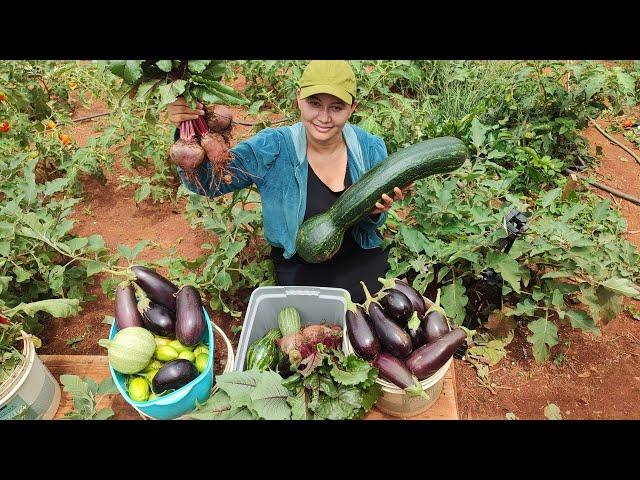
(255, 107)
(142, 193)
(56, 278)
(138, 248)
(603, 304)
(413, 239)
(239, 385)
(21, 274)
(132, 71)
(357, 371)
(594, 84)
(94, 267)
(217, 407)
(552, 412)
(506, 266)
(544, 333)
(269, 398)
(298, 405)
(371, 396)
(454, 299)
(550, 197)
(58, 307)
(164, 65)
(198, 66)
(55, 186)
(74, 385)
(478, 133)
(581, 320)
(107, 387)
(145, 90)
(103, 414)
(623, 286)
(222, 280)
(77, 243)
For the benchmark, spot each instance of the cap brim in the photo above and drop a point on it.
(330, 89)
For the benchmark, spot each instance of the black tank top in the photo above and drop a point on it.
(349, 265)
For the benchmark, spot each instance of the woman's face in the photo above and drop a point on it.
(324, 115)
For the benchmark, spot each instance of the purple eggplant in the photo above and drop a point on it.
(127, 314)
(361, 333)
(173, 375)
(417, 336)
(397, 306)
(434, 325)
(429, 358)
(393, 338)
(190, 321)
(417, 301)
(159, 320)
(158, 289)
(395, 371)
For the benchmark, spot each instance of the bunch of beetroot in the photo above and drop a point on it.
(194, 80)
(205, 139)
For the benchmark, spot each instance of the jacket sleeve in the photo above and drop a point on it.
(250, 162)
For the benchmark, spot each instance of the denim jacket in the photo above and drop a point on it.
(275, 160)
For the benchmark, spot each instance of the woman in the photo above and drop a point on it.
(301, 170)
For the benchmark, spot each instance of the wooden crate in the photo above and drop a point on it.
(97, 368)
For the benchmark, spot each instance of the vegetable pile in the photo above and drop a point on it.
(195, 80)
(403, 339)
(295, 373)
(160, 328)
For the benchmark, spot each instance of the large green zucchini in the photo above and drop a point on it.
(320, 237)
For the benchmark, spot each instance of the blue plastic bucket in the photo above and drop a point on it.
(180, 401)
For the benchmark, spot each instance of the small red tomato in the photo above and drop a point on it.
(4, 127)
(4, 319)
(627, 123)
(3, 98)
(65, 139)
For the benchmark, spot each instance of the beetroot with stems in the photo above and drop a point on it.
(186, 151)
(218, 118)
(215, 146)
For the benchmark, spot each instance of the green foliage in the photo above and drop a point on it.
(239, 257)
(87, 395)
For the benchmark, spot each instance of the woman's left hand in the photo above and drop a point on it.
(387, 201)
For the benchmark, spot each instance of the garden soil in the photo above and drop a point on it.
(594, 377)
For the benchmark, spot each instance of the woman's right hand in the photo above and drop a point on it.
(179, 111)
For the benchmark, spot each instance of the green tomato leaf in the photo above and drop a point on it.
(103, 414)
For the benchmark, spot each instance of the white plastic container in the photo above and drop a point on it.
(31, 392)
(314, 304)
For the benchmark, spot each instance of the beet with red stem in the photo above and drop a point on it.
(186, 151)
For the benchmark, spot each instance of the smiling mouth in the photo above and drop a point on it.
(322, 129)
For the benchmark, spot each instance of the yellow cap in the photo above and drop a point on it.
(335, 77)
